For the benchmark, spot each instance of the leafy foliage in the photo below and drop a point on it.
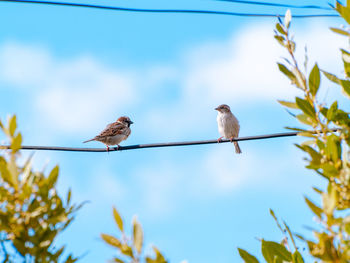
(130, 249)
(328, 156)
(32, 214)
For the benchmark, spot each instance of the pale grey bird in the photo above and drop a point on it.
(228, 125)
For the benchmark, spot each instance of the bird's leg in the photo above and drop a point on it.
(231, 139)
(107, 148)
(219, 140)
(118, 146)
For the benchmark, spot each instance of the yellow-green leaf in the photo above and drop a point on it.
(306, 107)
(331, 77)
(118, 219)
(340, 31)
(332, 111)
(137, 235)
(346, 61)
(127, 250)
(113, 241)
(280, 29)
(16, 142)
(297, 258)
(248, 258)
(314, 208)
(333, 149)
(287, 72)
(12, 125)
(314, 80)
(272, 249)
(52, 179)
(118, 260)
(304, 119)
(288, 104)
(345, 84)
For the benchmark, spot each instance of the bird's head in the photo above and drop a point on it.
(223, 108)
(125, 120)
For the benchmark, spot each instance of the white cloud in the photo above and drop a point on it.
(72, 95)
(241, 70)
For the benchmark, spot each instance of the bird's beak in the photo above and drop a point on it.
(216, 108)
(131, 122)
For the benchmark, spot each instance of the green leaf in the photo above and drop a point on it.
(347, 228)
(343, 11)
(287, 18)
(271, 249)
(16, 142)
(52, 179)
(332, 77)
(287, 72)
(329, 170)
(296, 129)
(280, 29)
(346, 87)
(330, 200)
(290, 235)
(69, 196)
(248, 258)
(306, 107)
(333, 149)
(127, 250)
(267, 252)
(272, 213)
(317, 190)
(113, 241)
(297, 258)
(340, 31)
(12, 125)
(118, 219)
(346, 61)
(280, 40)
(288, 104)
(314, 80)
(314, 208)
(304, 119)
(137, 235)
(159, 257)
(332, 111)
(118, 260)
(316, 156)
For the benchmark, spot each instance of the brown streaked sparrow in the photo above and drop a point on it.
(114, 133)
(228, 125)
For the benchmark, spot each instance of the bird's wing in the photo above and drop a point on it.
(112, 129)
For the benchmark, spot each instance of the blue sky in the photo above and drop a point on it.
(67, 72)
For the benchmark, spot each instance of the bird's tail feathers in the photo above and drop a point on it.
(89, 140)
(237, 148)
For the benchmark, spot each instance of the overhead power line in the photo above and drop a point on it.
(154, 145)
(142, 10)
(277, 4)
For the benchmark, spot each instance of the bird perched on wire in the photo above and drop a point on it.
(228, 125)
(114, 133)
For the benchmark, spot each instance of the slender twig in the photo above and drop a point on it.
(156, 145)
(146, 10)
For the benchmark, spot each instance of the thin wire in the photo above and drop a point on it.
(165, 10)
(156, 145)
(277, 4)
